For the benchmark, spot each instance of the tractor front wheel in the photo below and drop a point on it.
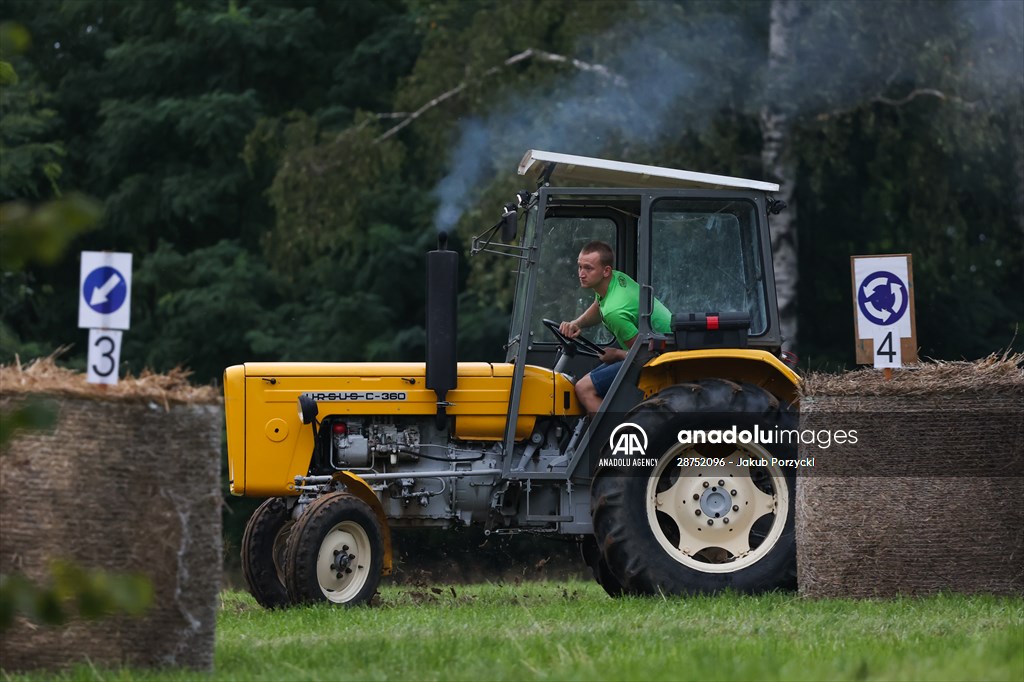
(335, 552)
(263, 545)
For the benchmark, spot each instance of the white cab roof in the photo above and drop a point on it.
(583, 170)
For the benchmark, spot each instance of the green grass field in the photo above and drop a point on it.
(567, 631)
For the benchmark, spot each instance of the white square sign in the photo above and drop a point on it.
(104, 356)
(883, 299)
(105, 290)
(882, 296)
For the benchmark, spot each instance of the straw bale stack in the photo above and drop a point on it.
(127, 482)
(931, 496)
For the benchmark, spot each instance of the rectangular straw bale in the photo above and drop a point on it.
(123, 486)
(929, 497)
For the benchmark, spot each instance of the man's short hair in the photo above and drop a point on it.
(603, 250)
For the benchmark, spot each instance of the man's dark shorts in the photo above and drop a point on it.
(604, 375)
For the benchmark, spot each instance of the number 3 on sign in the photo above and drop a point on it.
(887, 351)
(104, 356)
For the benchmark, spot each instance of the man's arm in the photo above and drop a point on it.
(611, 354)
(590, 317)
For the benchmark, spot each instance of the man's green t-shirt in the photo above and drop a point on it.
(620, 308)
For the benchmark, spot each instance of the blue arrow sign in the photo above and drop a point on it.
(105, 290)
(882, 297)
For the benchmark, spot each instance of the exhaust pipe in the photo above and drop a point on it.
(442, 324)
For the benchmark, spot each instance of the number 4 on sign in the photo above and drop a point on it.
(104, 356)
(887, 351)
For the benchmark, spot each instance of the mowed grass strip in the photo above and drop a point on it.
(573, 631)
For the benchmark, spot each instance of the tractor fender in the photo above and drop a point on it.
(757, 367)
(361, 489)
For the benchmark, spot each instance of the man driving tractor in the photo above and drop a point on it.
(617, 304)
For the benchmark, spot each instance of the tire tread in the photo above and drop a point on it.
(258, 567)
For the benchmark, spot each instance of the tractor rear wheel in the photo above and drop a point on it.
(335, 552)
(263, 544)
(599, 568)
(706, 517)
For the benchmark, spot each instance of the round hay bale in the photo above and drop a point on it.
(126, 484)
(929, 497)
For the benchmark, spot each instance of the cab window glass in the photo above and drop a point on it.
(559, 295)
(705, 257)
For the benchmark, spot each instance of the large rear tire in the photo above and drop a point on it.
(263, 544)
(700, 521)
(335, 553)
(599, 568)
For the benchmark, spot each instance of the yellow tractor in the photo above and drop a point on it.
(659, 504)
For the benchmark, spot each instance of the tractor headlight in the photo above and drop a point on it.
(307, 409)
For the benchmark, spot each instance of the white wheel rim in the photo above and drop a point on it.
(691, 497)
(343, 564)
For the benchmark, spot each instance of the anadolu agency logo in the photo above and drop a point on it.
(628, 439)
(628, 445)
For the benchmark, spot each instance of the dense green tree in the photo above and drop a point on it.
(37, 219)
(156, 101)
(309, 151)
(32, 156)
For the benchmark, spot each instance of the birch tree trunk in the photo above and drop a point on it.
(778, 161)
(1017, 139)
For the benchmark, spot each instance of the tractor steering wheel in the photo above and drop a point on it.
(579, 344)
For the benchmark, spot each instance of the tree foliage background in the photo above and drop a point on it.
(279, 168)
(246, 153)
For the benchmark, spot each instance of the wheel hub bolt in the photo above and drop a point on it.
(706, 484)
(733, 493)
(725, 520)
(697, 512)
(721, 483)
(711, 522)
(735, 507)
(696, 496)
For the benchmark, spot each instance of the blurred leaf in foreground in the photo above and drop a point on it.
(72, 591)
(41, 233)
(33, 414)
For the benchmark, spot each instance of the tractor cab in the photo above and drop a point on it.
(698, 243)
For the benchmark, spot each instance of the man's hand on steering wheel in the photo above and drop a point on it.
(570, 329)
(575, 343)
